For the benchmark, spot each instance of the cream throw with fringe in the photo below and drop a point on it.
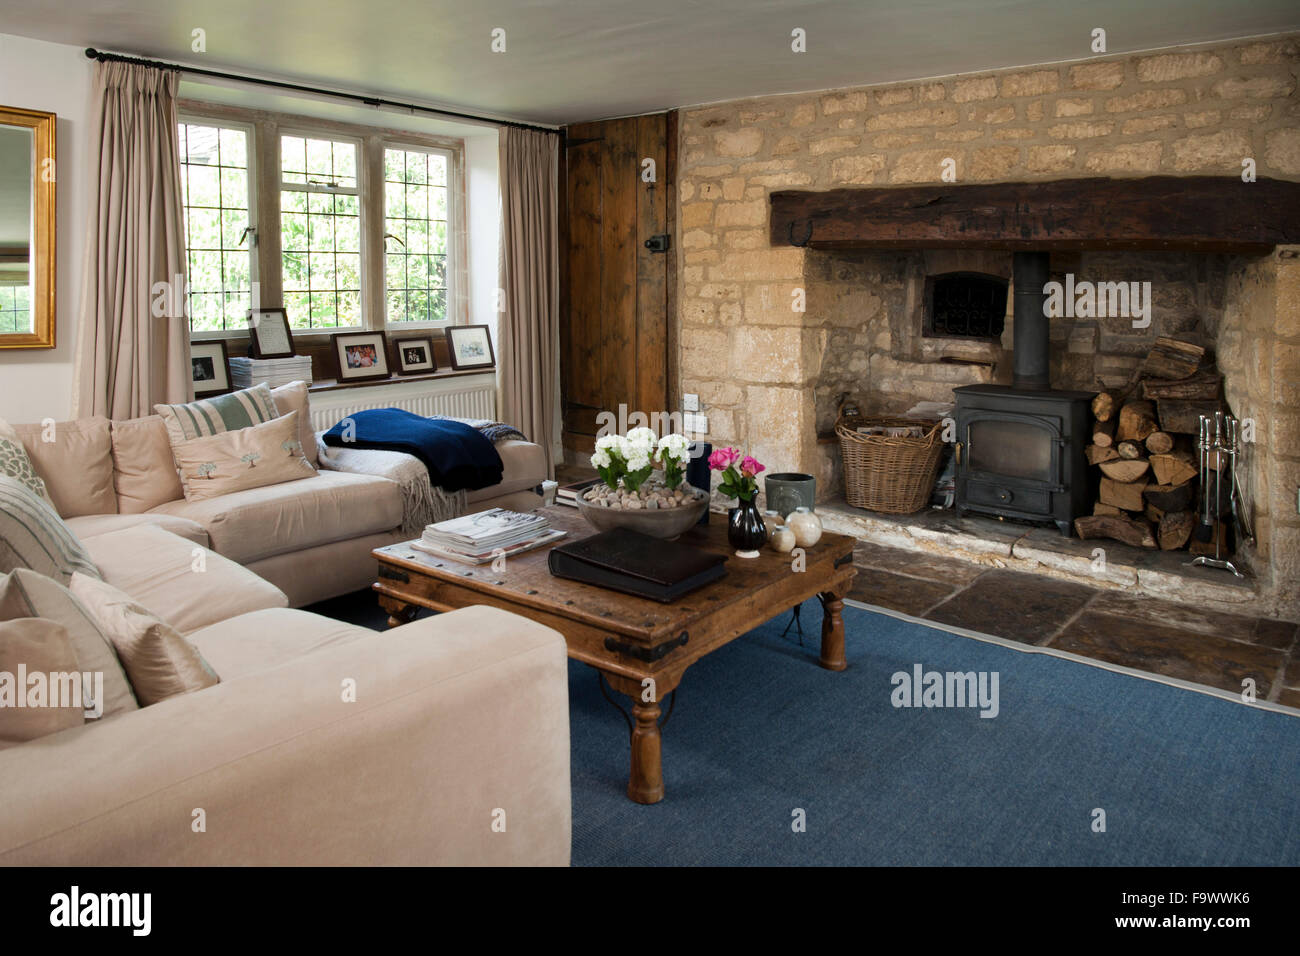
(422, 503)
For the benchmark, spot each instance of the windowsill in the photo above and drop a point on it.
(333, 385)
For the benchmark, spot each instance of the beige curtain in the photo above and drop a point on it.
(133, 344)
(529, 330)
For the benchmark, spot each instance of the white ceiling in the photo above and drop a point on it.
(573, 60)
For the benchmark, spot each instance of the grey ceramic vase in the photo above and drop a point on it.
(788, 490)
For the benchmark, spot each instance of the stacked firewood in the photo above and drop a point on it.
(1144, 445)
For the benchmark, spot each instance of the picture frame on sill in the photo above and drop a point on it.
(415, 355)
(470, 347)
(209, 368)
(269, 335)
(362, 356)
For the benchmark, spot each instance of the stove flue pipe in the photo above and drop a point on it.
(1031, 366)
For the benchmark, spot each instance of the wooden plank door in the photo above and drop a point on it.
(616, 295)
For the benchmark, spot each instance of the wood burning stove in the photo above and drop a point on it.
(1020, 451)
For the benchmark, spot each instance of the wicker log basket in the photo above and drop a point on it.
(890, 475)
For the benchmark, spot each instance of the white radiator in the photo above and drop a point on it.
(466, 401)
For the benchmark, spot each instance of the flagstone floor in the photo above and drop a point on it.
(1146, 633)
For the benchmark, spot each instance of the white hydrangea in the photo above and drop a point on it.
(641, 440)
(637, 460)
(609, 443)
(676, 447)
(601, 459)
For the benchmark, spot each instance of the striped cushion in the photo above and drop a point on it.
(33, 536)
(223, 413)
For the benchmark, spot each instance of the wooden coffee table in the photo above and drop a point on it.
(641, 647)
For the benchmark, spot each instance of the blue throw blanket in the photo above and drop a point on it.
(457, 455)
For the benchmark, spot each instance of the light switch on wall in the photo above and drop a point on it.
(690, 402)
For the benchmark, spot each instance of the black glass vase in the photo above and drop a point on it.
(745, 528)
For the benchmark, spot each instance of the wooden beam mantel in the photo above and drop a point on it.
(1192, 213)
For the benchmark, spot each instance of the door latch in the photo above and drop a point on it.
(658, 243)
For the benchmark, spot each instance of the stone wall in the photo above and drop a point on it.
(1258, 344)
(769, 376)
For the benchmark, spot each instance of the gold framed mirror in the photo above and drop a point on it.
(27, 228)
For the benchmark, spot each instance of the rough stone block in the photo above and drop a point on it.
(993, 162)
(1148, 124)
(922, 166)
(696, 214)
(1073, 107)
(1146, 100)
(1096, 76)
(857, 169)
(1202, 118)
(742, 214)
(1277, 51)
(1084, 129)
(1130, 157)
(1035, 83)
(741, 142)
(1259, 87)
(895, 96)
(854, 102)
(1177, 66)
(978, 88)
(1211, 151)
(1051, 159)
(833, 144)
(907, 119)
(1282, 150)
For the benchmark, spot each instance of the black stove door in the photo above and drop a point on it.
(1011, 463)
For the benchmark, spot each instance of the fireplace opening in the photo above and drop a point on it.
(965, 305)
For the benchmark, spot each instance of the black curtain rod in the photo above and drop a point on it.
(93, 54)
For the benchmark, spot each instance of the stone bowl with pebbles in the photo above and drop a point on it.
(652, 509)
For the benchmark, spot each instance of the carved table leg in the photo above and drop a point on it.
(399, 612)
(832, 656)
(645, 783)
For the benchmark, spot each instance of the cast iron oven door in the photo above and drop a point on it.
(1012, 464)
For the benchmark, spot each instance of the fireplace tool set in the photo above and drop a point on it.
(1219, 445)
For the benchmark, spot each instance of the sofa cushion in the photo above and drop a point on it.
(187, 586)
(294, 397)
(253, 457)
(25, 593)
(265, 639)
(37, 646)
(87, 526)
(144, 473)
(158, 661)
(221, 413)
(523, 466)
(33, 536)
(261, 522)
(76, 464)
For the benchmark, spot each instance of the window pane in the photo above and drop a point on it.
(415, 211)
(214, 177)
(321, 250)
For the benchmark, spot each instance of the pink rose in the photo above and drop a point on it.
(723, 458)
(750, 467)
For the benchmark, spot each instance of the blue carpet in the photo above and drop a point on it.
(760, 730)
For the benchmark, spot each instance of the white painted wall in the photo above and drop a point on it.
(37, 383)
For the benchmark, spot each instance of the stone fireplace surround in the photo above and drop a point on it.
(861, 330)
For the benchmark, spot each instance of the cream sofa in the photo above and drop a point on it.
(459, 721)
(311, 538)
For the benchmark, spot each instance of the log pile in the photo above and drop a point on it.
(1144, 449)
